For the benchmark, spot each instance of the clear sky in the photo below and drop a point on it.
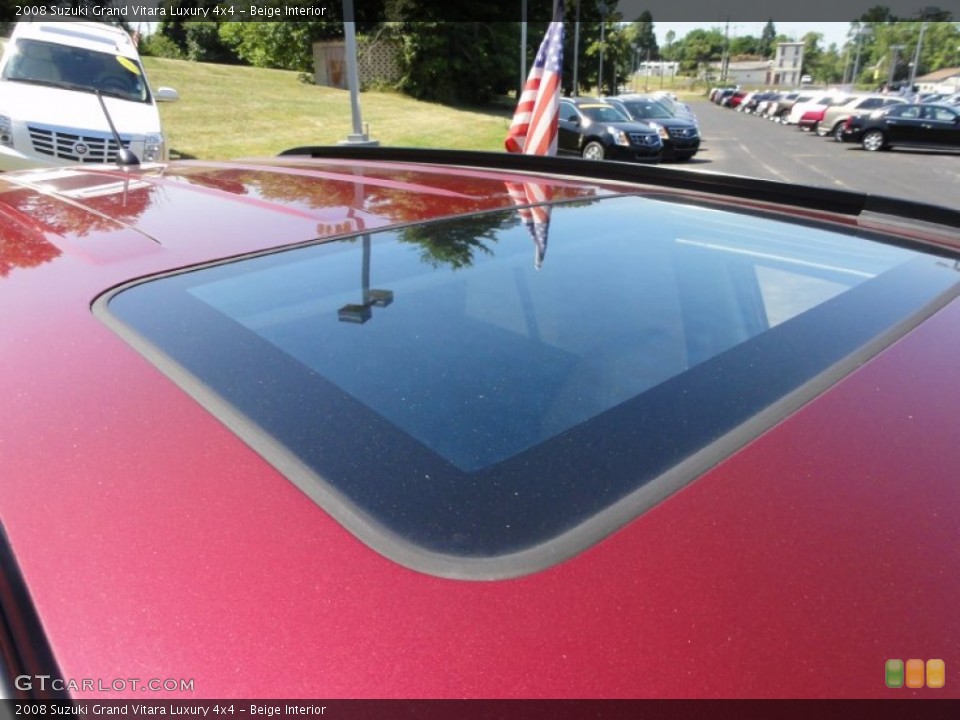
(833, 32)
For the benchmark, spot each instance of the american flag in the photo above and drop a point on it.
(534, 127)
(531, 200)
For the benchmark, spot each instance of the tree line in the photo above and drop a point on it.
(472, 54)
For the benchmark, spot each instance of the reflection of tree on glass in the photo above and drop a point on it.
(456, 246)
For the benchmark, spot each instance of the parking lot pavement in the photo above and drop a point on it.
(746, 145)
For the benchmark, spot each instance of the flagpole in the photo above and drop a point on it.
(523, 43)
(576, 49)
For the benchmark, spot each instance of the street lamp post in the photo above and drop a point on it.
(895, 49)
(602, 7)
(862, 32)
(916, 55)
(576, 49)
(523, 45)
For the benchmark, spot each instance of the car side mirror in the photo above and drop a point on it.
(165, 94)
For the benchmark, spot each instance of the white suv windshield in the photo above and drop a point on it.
(76, 68)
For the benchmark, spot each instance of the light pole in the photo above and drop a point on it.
(916, 55)
(576, 49)
(895, 49)
(862, 32)
(602, 7)
(523, 46)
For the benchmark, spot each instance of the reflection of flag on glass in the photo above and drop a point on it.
(535, 216)
(534, 127)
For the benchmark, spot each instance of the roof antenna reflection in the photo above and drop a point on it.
(371, 298)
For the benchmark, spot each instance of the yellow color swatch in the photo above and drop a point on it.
(936, 673)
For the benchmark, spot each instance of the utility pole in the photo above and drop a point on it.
(602, 7)
(862, 32)
(576, 49)
(916, 55)
(895, 49)
(725, 60)
(646, 84)
(523, 46)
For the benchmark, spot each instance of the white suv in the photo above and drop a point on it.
(50, 114)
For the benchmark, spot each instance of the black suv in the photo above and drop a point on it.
(596, 130)
(681, 139)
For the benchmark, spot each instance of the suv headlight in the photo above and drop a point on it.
(661, 130)
(6, 131)
(619, 136)
(153, 148)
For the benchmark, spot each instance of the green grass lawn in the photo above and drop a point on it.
(229, 111)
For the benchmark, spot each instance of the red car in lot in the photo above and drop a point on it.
(811, 119)
(355, 423)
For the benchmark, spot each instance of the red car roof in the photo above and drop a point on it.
(156, 544)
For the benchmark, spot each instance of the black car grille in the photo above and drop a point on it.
(644, 139)
(73, 146)
(682, 132)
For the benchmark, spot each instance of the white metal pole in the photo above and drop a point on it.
(359, 136)
(523, 45)
(576, 49)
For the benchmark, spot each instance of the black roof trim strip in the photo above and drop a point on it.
(843, 202)
(24, 649)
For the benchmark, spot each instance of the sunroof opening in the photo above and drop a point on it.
(477, 388)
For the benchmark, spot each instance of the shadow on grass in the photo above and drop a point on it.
(501, 106)
(180, 155)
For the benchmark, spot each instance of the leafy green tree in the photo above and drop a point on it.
(702, 46)
(175, 28)
(458, 62)
(939, 49)
(878, 14)
(931, 13)
(812, 53)
(450, 56)
(587, 64)
(828, 68)
(642, 38)
(281, 45)
(668, 51)
(158, 45)
(617, 53)
(768, 39)
(205, 44)
(745, 45)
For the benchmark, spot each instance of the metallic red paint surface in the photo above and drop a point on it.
(157, 545)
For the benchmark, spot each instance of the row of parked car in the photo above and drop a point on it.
(875, 120)
(628, 127)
